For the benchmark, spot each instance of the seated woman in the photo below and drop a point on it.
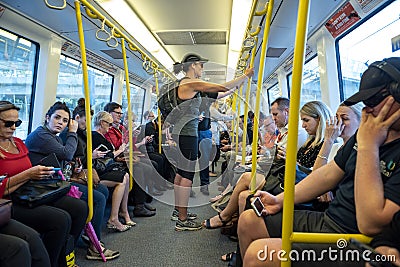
(55, 223)
(314, 114)
(20, 245)
(100, 192)
(119, 179)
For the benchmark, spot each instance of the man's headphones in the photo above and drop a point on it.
(394, 73)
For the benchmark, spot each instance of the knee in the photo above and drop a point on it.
(256, 254)
(243, 196)
(246, 221)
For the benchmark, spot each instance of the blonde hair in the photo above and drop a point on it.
(101, 116)
(317, 110)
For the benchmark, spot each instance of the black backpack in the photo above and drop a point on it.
(168, 99)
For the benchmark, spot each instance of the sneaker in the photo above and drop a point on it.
(187, 225)
(190, 216)
(108, 254)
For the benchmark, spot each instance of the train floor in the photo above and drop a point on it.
(154, 241)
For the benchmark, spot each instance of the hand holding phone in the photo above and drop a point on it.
(257, 206)
(102, 148)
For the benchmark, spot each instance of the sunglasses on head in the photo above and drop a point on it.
(9, 124)
(374, 100)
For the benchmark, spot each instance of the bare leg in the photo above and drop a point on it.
(260, 253)
(182, 188)
(117, 196)
(250, 228)
(242, 200)
(233, 203)
(124, 203)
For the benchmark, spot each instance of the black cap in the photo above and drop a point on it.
(193, 58)
(377, 77)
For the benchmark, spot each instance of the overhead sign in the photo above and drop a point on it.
(396, 43)
(342, 20)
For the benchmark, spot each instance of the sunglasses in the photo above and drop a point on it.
(119, 113)
(200, 63)
(374, 100)
(109, 123)
(9, 124)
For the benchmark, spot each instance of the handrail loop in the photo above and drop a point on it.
(131, 47)
(56, 7)
(248, 43)
(112, 37)
(257, 31)
(102, 30)
(262, 12)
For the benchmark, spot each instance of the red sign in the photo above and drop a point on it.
(342, 20)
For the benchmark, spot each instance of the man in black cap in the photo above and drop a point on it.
(365, 171)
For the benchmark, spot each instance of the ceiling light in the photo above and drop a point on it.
(239, 19)
(127, 18)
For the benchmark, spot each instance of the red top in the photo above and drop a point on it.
(13, 164)
(114, 136)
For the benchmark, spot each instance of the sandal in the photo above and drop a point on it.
(228, 256)
(216, 198)
(207, 223)
(116, 229)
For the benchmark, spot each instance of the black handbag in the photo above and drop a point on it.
(40, 192)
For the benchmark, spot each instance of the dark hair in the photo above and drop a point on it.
(282, 102)
(111, 106)
(7, 105)
(80, 109)
(58, 106)
(187, 60)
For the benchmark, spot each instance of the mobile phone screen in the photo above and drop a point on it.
(258, 206)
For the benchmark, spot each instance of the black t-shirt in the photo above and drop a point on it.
(206, 100)
(342, 209)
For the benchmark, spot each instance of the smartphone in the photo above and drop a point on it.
(56, 169)
(102, 148)
(372, 256)
(2, 177)
(257, 206)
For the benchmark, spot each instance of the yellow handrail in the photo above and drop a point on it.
(290, 168)
(95, 14)
(87, 109)
(260, 79)
(130, 122)
(158, 116)
(246, 103)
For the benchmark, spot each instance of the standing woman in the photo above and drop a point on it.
(185, 132)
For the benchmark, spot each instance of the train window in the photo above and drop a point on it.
(369, 42)
(311, 89)
(137, 100)
(17, 66)
(273, 93)
(70, 84)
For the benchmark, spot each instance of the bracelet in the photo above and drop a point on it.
(322, 157)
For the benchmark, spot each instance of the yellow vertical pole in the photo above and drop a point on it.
(290, 168)
(130, 123)
(158, 116)
(87, 108)
(246, 104)
(260, 79)
(239, 100)
(234, 120)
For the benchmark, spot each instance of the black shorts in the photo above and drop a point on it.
(186, 155)
(311, 254)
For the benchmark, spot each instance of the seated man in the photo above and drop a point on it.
(364, 171)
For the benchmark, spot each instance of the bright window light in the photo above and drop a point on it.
(128, 19)
(239, 19)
